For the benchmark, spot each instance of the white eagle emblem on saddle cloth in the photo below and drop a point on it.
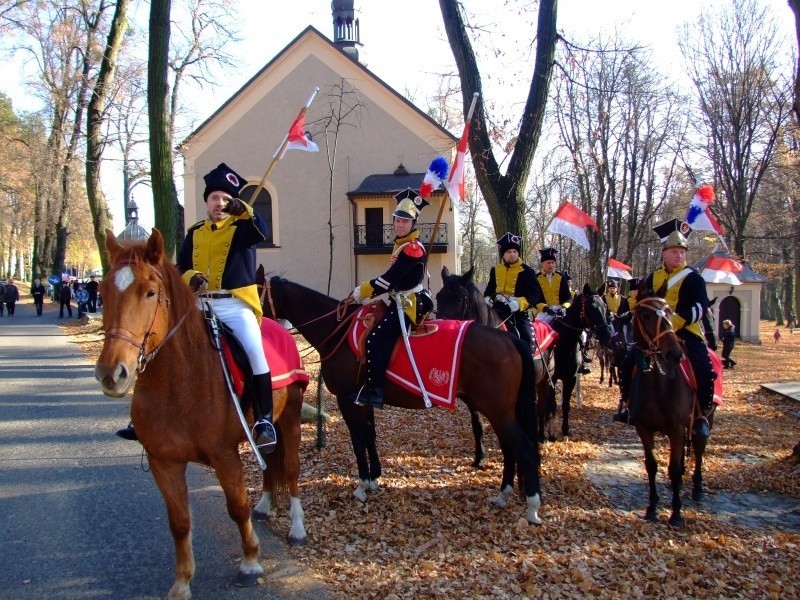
(437, 354)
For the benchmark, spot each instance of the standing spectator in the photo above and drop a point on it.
(82, 299)
(777, 335)
(11, 296)
(92, 286)
(2, 298)
(38, 293)
(792, 322)
(728, 341)
(64, 299)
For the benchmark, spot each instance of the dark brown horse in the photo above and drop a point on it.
(662, 402)
(460, 298)
(495, 378)
(157, 339)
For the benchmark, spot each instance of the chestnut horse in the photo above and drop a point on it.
(460, 298)
(157, 339)
(495, 378)
(662, 402)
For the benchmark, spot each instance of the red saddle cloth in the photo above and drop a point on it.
(437, 354)
(283, 358)
(545, 335)
(716, 363)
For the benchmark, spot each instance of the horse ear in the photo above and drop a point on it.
(445, 273)
(112, 244)
(467, 277)
(155, 247)
(260, 279)
(710, 304)
(587, 290)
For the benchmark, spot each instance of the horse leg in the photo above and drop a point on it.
(477, 432)
(568, 385)
(230, 472)
(601, 359)
(651, 466)
(507, 481)
(699, 444)
(525, 451)
(355, 418)
(171, 481)
(676, 468)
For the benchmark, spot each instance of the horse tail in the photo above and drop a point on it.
(525, 408)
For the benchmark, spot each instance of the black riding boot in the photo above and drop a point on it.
(263, 429)
(128, 433)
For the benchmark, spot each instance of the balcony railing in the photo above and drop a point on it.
(379, 239)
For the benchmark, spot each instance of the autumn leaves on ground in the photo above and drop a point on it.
(430, 529)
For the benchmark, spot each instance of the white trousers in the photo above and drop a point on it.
(242, 320)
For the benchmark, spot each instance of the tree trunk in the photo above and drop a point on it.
(158, 116)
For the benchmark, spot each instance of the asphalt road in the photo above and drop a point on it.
(80, 516)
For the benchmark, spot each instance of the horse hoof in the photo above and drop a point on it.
(698, 495)
(247, 579)
(651, 515)
(295, 541)
(676, 522)
(257, 515)
(552, 438)
(478, 464)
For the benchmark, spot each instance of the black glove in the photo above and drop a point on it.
(197, 281)
(235, 207)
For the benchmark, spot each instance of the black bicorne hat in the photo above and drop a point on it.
(409, 204)
(223, 179)
(510, 241)
(547, 254)
(673, 233)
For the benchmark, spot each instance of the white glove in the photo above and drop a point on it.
(502, 299)
(513, 304)
(489, 302)
(357, 294)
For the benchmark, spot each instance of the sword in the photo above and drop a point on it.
(216, 336)
(400, 300)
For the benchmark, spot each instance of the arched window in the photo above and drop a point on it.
(263, 208)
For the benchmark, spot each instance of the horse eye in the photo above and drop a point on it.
(150, 293)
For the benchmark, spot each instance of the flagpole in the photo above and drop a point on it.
(442, 203)
(279, 153)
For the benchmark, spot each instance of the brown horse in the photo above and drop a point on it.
(662, 402)
(495, 378)
(157, 339)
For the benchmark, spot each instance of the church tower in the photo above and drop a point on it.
(346, 28)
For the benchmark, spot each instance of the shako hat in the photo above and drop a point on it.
(673, 233)
(547, 254)
(633, 284)
(612, 282)
(510, 241)
(223, 179)
(409, 204)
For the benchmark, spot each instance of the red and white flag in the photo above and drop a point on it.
(719, 269)
(297, 138)
(698, 216)
(455, 185)
(619, 269)
(571, 221)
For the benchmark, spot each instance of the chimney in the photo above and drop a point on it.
(346, 27)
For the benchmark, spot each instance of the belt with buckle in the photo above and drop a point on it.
(220, 296)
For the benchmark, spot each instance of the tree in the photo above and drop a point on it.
(504, 193)
(733, 60)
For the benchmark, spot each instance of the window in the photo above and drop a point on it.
(373, 219)
(263, 208)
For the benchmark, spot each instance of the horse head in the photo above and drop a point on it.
(140, 295)
(652, 328)
(460, 298)
(589, 310)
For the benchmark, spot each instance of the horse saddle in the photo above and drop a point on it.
(688, 374)
(437, 356)
(280, 351)
(365, 319)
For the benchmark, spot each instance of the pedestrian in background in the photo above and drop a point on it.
(728, 341)
(82, 299)
(11, 297)
(777, 335)
(38, 292)
(2, 298)
(65, 299)
(92, 286)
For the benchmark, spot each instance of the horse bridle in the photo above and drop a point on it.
(662, 310)
(144, 356)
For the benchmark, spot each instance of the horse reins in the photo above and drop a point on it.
(657, 305)
(144, 356)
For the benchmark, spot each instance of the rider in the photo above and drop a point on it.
(611, 298)
(402, 279)
(684, 290)
(626, 305)
(512, 288)
(219, 254)
(557, 296)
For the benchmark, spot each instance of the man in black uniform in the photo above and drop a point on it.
(403, 278)
(512, 288)
(684, 289)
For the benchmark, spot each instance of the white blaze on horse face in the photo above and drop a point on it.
(124, 278)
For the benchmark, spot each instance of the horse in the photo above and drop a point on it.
(662, 401)
(610, 357)
(495, 378)
(157, 343)
(460, 299)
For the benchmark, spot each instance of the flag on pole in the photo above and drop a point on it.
(297, 139)
(619, 269)
(571, 221)
(719, 269)
(455, 185)
(699, 216)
